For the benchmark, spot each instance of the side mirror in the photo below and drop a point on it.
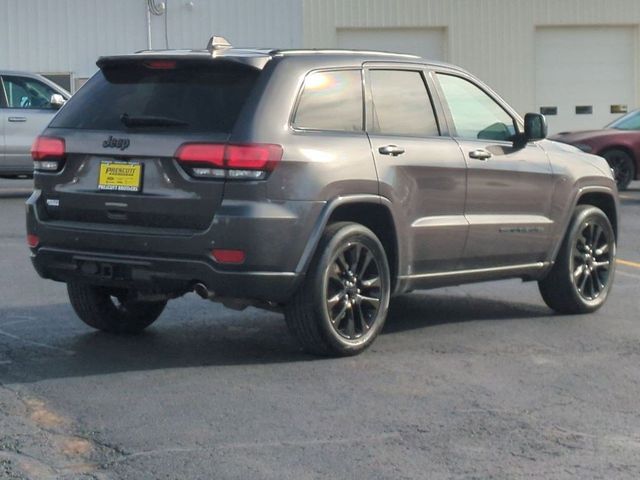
(57, 100)
(535, 127)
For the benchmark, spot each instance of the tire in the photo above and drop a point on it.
(112, 310)
(624, 168)
(342, 303)
(583, 273)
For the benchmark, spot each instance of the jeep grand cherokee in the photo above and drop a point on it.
(317, 183)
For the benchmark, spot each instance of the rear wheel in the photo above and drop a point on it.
(583, 273)
(623, 167)
(113, 310)
(342, 304)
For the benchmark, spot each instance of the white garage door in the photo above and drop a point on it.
(426, 42)
(583, 74)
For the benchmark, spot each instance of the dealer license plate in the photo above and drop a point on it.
(120, 176)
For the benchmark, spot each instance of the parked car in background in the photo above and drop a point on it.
(618, 143)
(317, 183)
(28, 102)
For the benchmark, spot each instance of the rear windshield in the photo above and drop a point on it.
(194, 98)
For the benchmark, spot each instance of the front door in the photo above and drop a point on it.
(508, 189)
(420, 169)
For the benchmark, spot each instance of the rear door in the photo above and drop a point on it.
(508, 189)
(122, 131)
(28, 112)
(421, 169)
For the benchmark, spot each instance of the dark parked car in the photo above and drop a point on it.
(618, 143)
(316, 183)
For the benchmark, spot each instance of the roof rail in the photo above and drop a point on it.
(217, 43)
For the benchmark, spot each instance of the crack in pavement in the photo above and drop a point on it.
(48, 448)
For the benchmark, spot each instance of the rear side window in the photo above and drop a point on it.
(331, 101)
(401, 104)
(194, 98)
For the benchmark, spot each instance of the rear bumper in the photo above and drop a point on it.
(273, 235)
(161, 275)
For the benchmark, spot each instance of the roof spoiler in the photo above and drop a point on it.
(257, 62)
(216, 49)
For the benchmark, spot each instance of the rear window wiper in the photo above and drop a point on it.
(150, 121)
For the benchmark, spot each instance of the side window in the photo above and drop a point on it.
(401, 104)
(475, 114)
(331, 101)
(23, 92)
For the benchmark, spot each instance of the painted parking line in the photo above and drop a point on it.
(627, 263)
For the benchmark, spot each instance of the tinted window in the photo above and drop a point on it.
(628, 122)
(331, 101)
(23, 92)
(204, 99)
(401, 104)
(475, 114)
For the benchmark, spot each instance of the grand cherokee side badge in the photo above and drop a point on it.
(113, 142)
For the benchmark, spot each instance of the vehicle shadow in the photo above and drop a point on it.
(15, 187)
(49, 342)
(7, 193)
(424, 309)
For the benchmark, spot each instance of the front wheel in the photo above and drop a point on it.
(583, 273)
(112, 310)
(342, 304)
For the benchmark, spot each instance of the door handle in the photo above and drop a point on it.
(480, 154)
(392, 150)
(17, 119)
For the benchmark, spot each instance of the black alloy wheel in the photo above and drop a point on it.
(592, 257)
(341, 306)
(583, 272)
(352, 292)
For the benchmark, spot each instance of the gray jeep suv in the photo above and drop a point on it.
(317, 183)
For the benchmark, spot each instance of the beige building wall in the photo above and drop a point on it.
(494, 39)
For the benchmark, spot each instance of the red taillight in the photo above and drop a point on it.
(32, 240)
(47, 147)
(202, 153)
(161, 64)
(253, 156)
(222, 255)
(240, 161)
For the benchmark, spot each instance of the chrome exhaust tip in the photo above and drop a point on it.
(202, 290)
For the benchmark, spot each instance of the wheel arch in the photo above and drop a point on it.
(373, 212)
(599, 196)
(605, 202)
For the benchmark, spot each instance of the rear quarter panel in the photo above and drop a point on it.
(316, 165)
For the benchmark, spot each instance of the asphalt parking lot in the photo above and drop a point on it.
(471, 382)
